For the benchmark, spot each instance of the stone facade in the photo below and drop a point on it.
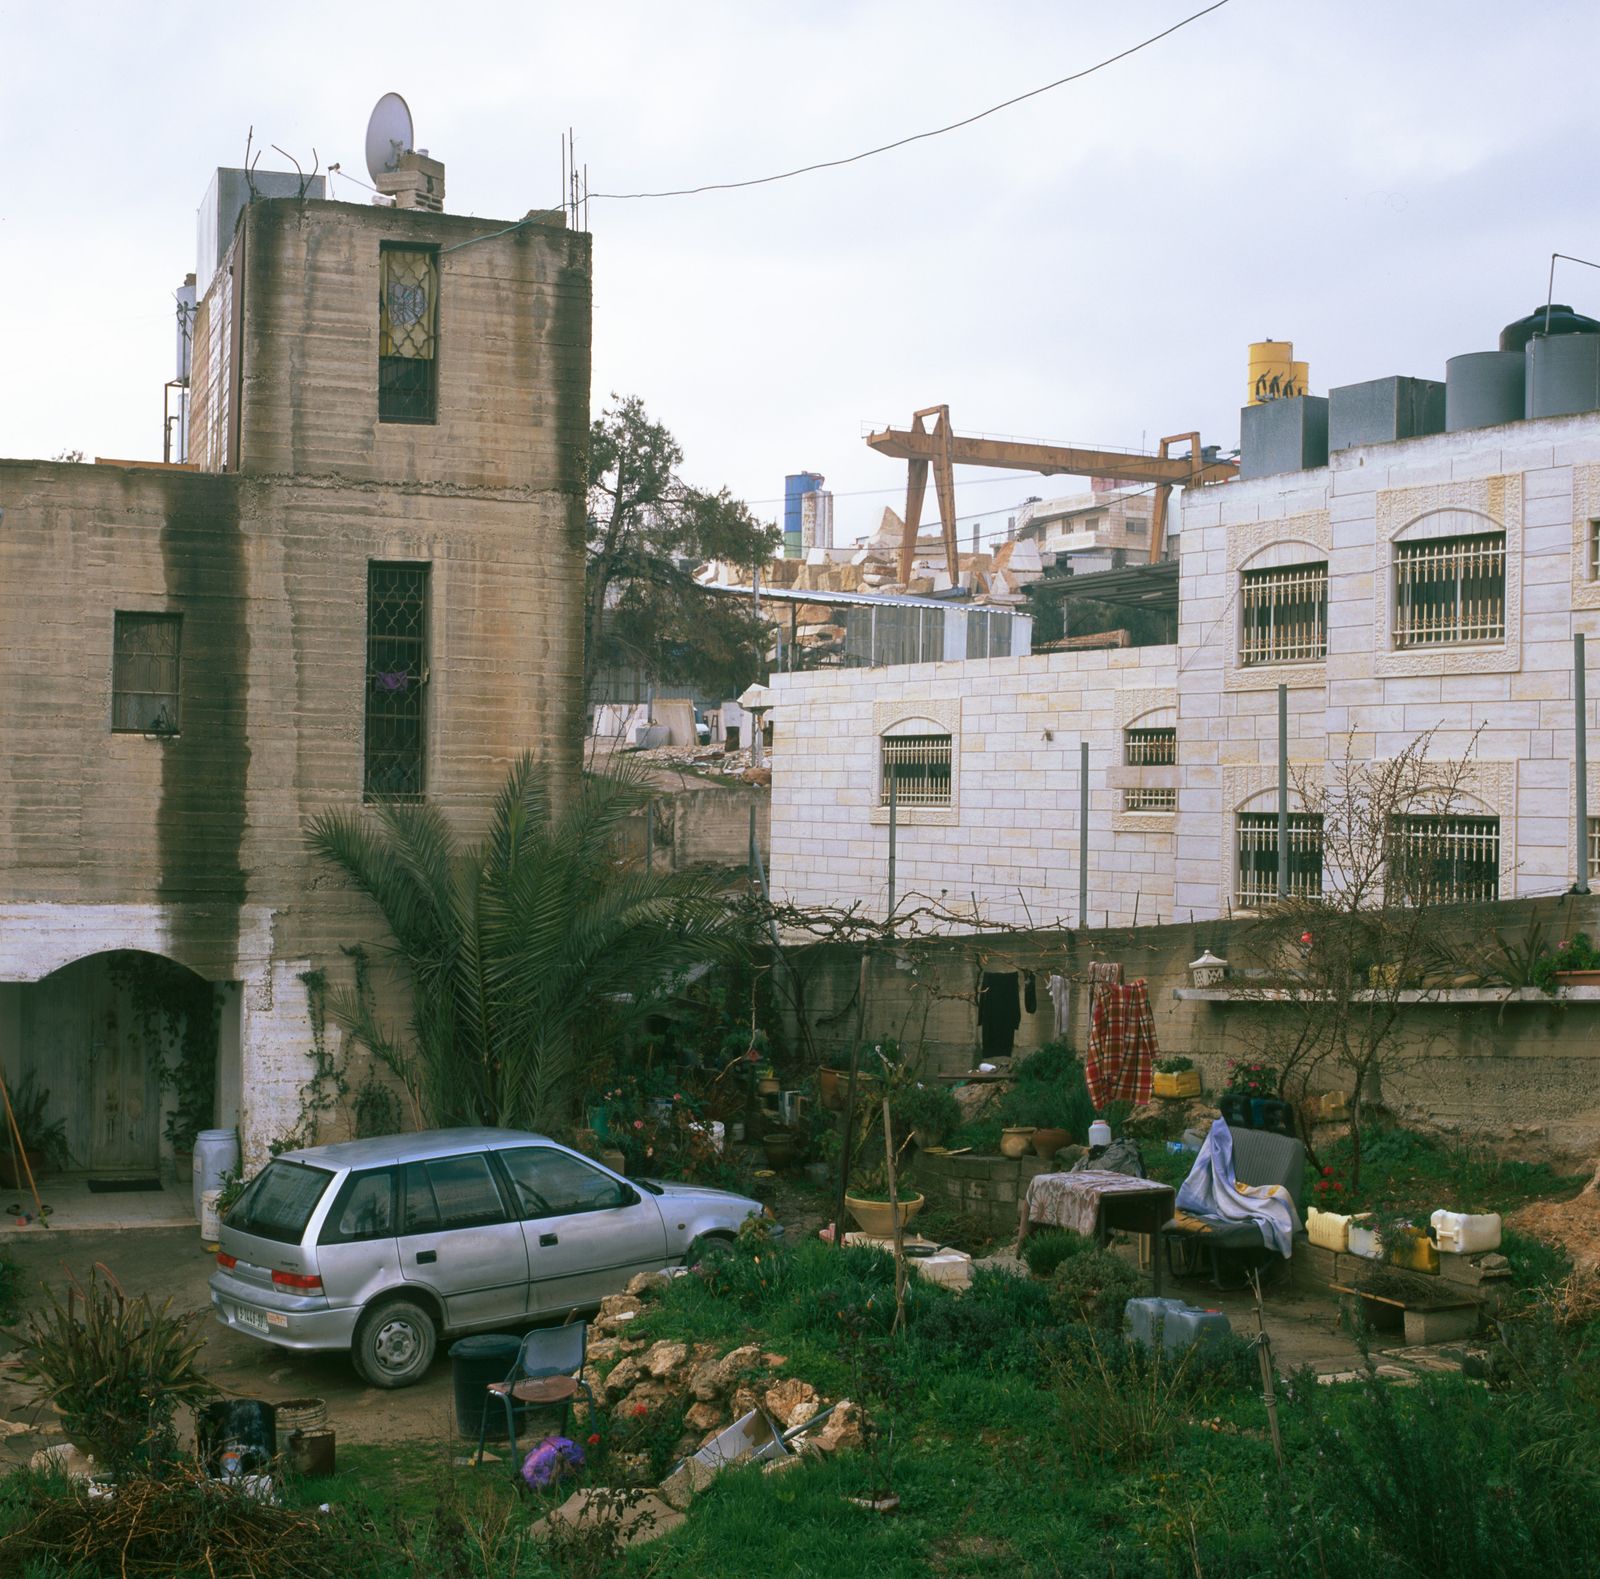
(191, 845)
(1006, 848)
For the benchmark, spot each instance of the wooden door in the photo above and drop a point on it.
(124, 1087)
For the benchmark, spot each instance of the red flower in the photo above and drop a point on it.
(594, 1439)
(639, 1409)
(1327, 1173)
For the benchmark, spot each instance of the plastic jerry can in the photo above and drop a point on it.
(1460, 1233)
(1178, 1324)
(1365, 1241)
(1332, 1230)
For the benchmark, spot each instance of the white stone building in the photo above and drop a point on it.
(1428, 583)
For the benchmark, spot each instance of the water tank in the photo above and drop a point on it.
(1555, 319)
(1274, 373)
(1482, 388)
(216, 1152)
(1563, 374)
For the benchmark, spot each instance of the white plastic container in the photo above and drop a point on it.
(216, 1152)
(1099, 1133)
(210, 1220)
(1366, 1242)
(1461, 1233)
(1332, 1230)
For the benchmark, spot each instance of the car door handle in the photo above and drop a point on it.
(427, 1257)
(548, 1239)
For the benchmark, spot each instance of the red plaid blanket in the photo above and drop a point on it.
(1121, 1060)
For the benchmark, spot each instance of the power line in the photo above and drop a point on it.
(938, 131)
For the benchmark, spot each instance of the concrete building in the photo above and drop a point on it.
(1105, 529)
(1399, 585)
(365, 584)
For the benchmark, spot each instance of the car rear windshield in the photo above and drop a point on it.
(278, 1202)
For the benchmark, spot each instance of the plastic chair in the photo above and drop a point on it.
(548, 1370)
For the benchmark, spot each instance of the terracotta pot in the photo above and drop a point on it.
(12, 1176)
(1014, 1142)
(769, 1086)
(876, 1218)
(1576, 978)
(830, 1090)
(1047, 1142)
(780, 1149)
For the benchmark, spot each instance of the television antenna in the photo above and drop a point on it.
(389, 134)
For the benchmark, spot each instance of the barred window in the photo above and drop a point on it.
(916, 769)
(144, 673)
(1594, 848)
(408, 331)
(1594, 549)
(397, 676)
(1285, 614)
(1450, 589)
(1445, 860)
(1256, 876)
(1142, 748)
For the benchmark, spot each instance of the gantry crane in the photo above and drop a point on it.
(943, 450)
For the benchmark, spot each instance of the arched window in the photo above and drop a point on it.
(1450, 581)
(1150, 741)
(915, 764)
(1283, 604)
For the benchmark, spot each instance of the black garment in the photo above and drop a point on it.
(999, 1012)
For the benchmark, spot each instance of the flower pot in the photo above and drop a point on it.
(830, 1090)
(1576, 978)
(1047, 1142)
(876, 1218)
(780, 1149)
(1014, 1142)
(769, 1085)
(11, 1175)
(1383, 977)
(614, 1160)
(1185, 1083)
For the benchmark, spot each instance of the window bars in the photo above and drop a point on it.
(1256, 875)
(918, 766)
(144, 673)
(1594, 849)
(1156, 748)
(1285, 615)
(1594, 549)
(1445, 860)
(408, 320)
(1450, 590)
(1150, 800)
(397, 633)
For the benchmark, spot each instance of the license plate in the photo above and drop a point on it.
(252, 1319)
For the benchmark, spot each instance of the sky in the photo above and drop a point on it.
(1381, 181)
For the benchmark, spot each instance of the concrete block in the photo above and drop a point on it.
(1441, 1326)
(1283, 436)
(1382, 410)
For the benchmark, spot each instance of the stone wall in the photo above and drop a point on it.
(987, 1188)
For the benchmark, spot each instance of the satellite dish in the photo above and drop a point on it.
(388, 135)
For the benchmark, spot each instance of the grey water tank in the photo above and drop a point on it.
(1383, 410)
(1482, 388)
(1557, 318)
(1563, 374)
(1283, 436)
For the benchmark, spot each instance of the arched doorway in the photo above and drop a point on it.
(125, 1046)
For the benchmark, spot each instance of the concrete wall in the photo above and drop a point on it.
(193, 846)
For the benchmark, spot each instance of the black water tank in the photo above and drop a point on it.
(1563, 320)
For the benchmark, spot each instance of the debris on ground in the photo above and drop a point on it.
(1573, 1224)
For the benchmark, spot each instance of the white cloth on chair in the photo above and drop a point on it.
(1211, 1190)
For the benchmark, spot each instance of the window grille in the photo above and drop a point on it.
(918, 767)
(144, 673)
(1150, 800)
(397, 673)
(1445, 860)
(1257, 874)
(1285, 615)
(1594, 848)
(1450, 589)
(408, 326)
(1136, 525)
(1150, 748)
(1594, 549)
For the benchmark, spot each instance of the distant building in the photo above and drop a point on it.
(1087, 532)
(796, 487)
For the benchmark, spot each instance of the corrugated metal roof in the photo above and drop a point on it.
(882, 599)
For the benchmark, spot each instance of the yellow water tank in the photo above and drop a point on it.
(1274, 373)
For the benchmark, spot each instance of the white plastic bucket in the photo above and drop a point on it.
(216, 1152)
(210, 1219)
(1461, 1233)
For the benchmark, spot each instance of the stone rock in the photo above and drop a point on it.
(13, 1428)
(637, 1516)
(704, 1417)
(716, 1379)
(842, 1429)
(625, 1374)
(646, 1396)
(745, 1398)
(65, 1458)
(620, 1304)
(778, 1465)
(664, 1358)
(791, 1401)
(977, 1100)
(602, 1351)
(646, 1283)
(775, 1362)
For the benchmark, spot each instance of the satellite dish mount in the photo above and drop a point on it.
(389, 136)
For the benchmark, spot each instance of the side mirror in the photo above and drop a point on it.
(630, 1196)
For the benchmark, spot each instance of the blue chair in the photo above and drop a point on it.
(548, 1371)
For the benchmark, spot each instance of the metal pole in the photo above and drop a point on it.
(752, 857)
(850, 1104)
(894, 809)
(1083, 834)
(1283, 793)
(649, 836)
(1580, 738)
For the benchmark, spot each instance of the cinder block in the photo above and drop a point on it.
(1441, 1326)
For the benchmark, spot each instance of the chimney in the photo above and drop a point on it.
(418, 182)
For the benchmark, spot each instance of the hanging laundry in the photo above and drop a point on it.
(1060, 990)
(1121, 1061)
(999, 1012)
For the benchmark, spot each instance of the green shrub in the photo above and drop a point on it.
(932, 1109)
(1092, 1288)
(1535, 1263)
(1046, 1248)
(1049, 1091)
(10, 1288)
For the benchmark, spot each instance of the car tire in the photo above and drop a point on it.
(697, 1251)
(394, 1343)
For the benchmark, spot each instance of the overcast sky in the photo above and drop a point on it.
(1382, 182)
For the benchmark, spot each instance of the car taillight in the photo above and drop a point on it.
(226, 1261)
(302, 1282)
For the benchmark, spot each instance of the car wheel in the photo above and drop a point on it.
(706, 1244)
(394, 1344)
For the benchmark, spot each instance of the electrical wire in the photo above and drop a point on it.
(938, 131)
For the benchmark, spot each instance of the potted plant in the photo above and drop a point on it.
(1574, 962)
(874, 1208)
(930, 1113)
(44, 1144)
(1177, 1077)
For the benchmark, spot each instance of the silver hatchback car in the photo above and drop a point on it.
(383, 1247)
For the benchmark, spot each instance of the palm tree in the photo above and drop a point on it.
(521, 951)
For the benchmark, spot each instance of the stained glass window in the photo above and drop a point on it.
(397, 676)
(144, 673)
(408, 330)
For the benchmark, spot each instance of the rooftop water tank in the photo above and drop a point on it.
(1563, 374)
(1555, 319)
(1482, 388)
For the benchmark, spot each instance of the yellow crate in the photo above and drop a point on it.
(1186, 1083)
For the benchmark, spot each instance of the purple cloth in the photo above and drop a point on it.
(553, 1460)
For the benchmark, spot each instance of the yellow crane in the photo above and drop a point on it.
(943, 450)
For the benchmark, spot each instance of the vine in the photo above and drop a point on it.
(173, 1007)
